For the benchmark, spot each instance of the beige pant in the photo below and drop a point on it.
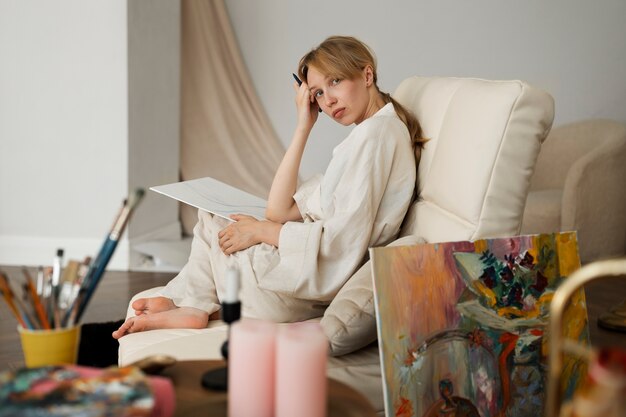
(201, 283)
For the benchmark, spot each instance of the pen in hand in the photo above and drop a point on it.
(299, 81)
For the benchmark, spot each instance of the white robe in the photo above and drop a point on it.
(360, 202)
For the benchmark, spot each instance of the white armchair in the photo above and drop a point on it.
(580, 184)
(472, 180)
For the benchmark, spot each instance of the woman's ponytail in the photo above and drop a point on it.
(411, 122)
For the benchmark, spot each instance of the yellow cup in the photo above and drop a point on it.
(49, 347)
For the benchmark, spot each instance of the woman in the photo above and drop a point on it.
(316, 235)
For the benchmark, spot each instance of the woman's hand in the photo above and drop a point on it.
(239, 235)
(247, 231)
(308, 110)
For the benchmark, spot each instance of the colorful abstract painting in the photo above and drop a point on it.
(462, 325)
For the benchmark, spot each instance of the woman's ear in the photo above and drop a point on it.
(369, 75)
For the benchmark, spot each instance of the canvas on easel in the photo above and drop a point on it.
(462, 325)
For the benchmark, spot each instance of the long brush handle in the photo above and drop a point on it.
(96, 271)
(41, 312)
(98, 266)
(6, 292)
(13, 309)
(30, 320)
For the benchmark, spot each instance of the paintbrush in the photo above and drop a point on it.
(29, 318)
(67, 283)
(57, 266)
(40, 282)
(31, 321)
(46, 297)
(83, 268)
(96, 270)
(77, 294)
(41, 312)
(8, 295)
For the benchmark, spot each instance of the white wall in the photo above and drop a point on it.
(575, 49)
(68, 153)
(65, 141)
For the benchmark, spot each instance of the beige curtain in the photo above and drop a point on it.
(225, 131)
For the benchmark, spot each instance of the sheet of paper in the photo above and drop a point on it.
(215, 197)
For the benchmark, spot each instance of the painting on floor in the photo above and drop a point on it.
(461, 325)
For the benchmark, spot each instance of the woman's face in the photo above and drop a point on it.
(346, 101)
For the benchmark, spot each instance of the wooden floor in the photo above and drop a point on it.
(116, 289)
(109, 303)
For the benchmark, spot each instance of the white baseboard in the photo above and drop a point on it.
(35, 251)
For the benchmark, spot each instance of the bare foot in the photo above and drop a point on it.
(176, 318)
(152, 305)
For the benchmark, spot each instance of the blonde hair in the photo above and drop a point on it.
(344, 57)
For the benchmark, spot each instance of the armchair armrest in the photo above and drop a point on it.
(594, 202)
(565, 145)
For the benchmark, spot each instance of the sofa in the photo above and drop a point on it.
(473, 179)
(579, 185)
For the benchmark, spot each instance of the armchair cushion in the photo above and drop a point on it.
(350, 320)
(484, 138)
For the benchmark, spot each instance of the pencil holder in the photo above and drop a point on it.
(49, 347)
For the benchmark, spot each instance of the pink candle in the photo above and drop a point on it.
(301, 351)
(251, 368)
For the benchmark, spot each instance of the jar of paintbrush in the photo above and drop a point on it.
(43, 311)
(50, 308)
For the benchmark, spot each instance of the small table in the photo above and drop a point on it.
(193, 400)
